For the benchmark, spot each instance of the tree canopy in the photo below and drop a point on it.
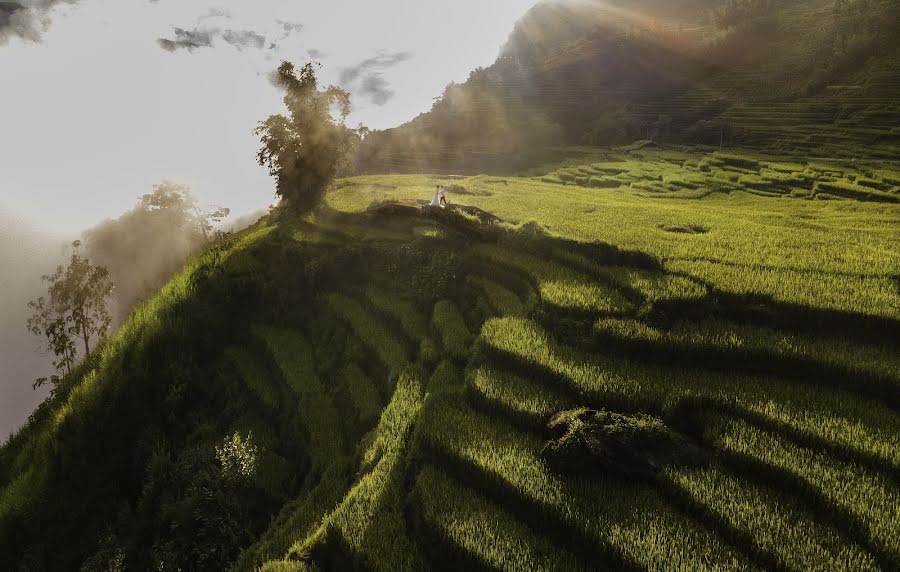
(178, 201)
(304, 149)
(73, 311)
(144, 246)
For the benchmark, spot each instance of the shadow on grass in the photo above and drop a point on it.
(546, 522)
(847, 524)
(764, 311)
(758, 362)
(689, 417)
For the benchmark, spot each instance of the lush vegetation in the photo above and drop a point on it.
(369, 385)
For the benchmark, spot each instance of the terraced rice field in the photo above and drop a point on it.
(763, 329)
(762, 107)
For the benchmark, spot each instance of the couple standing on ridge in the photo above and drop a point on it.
(440, 197)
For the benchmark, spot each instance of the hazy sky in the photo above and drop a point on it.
(118, 94)
(101, 99)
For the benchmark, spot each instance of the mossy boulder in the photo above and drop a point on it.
(594, 443)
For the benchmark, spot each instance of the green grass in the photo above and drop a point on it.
(855, 191)
(652, 286)
(850, 422)
(293, 357)
(863, 497)
(288, 566)
(734, 339)
(521, 398)
(779, 524)
(484, 531)
(370, 518)
(835, 256)
(873, 293)
(446, 379)
(414, 324)
(560, 285)
(297, 520)
(609, 515)
(503, 301)
(370, 330)
(363, 393)
(254, 375)
(454, 334)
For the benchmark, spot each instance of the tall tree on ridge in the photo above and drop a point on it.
(303, 151)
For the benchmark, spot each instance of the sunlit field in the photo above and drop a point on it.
(741, 225)
(759, 325)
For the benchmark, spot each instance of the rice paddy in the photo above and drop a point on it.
(719, 293)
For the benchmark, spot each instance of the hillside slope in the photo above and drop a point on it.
(396, 368)
(806, 77)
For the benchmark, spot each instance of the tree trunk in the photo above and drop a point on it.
(85, 336)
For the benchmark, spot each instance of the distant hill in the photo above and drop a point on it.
(806, 77)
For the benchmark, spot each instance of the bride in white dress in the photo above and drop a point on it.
(436, 201)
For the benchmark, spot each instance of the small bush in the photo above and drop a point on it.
(599, 442)
(238, 456)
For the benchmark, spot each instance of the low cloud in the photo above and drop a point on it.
(26, 252)
(144, 246)
(205, 37)
(376, 89)
(382, 61)
(315, 54)
(366, 77)
(216, 12)
(241, 222)
(241, 39)
(289, 27)
(26, 20)
(187, 40)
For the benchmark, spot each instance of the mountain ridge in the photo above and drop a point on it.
(821, 76)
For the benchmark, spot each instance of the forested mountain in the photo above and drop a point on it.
(818, 77)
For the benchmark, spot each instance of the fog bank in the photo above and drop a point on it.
(26, 253)
(141, 248)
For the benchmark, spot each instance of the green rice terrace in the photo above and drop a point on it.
(638, 358)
